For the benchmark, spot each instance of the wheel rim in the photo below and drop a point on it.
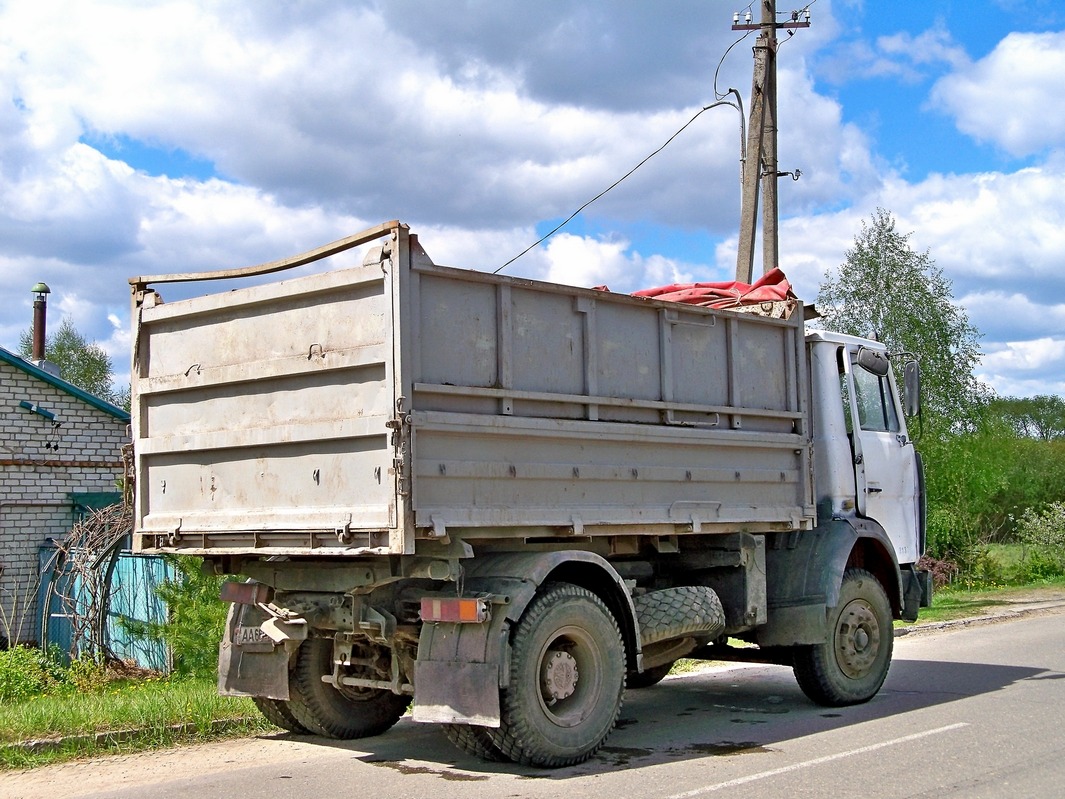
(570, 677)
(857, 639)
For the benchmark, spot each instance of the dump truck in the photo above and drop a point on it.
(496, 503)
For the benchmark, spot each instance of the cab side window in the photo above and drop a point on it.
(876, 410)
(844, 390)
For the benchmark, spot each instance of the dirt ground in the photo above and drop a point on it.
(143, 769)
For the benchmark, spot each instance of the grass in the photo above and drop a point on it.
(949, 604)
(162, 712)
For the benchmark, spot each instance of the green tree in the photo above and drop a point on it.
(83, 363)
(887, 290)
(1041, 417)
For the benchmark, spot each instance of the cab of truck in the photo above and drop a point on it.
(865, 461)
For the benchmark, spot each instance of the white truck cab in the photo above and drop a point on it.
(866, 464)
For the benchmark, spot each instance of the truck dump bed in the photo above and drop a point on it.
(359, 410)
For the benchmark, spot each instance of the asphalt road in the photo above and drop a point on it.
(970, 711)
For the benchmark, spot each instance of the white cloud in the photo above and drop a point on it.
(580, 261)
(933, 46)
(902, 55)
(998, 237)
(1003, 314)
(1026, 368)
(834, 156)
(323, 118)
(361, 127)
(988, 231)
(1012, 97)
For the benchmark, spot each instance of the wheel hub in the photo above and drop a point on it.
(559, 676)
(857, 639)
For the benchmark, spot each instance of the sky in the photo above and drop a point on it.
(145, 137)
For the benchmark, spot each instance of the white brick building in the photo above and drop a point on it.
(60, 451)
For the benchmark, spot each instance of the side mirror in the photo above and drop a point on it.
(911, 382)
(873, 361)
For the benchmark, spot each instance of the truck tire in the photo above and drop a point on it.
(688, 610)
(474, 740)
(567, 679)
(648, 677)
(851, 665)
(343, 713)
(278, 713)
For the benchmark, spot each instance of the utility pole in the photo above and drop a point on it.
(760, 161)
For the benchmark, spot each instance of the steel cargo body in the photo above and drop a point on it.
(357, 411)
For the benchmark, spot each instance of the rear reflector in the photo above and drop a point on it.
(246, 593)
(455, 610)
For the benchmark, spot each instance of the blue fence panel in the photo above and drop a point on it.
(53, 624)
(133, 596)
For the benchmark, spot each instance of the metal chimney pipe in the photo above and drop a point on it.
(40, 315)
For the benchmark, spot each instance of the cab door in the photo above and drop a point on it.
(885, 462)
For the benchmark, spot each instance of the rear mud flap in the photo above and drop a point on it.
(459, 672)
(451, 692)
(258, 669)
(243, 673)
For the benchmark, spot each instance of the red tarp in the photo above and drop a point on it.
(772, 287)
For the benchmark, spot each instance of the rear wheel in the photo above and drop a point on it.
(347, 712)
(853, 663)
(278, 713)
(474, 740)
(648, 677)
(567, 680)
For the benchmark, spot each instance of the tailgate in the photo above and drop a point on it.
(260, 418)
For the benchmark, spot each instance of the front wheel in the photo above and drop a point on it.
(851, 665)
(566, 682)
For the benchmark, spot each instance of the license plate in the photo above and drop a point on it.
(249, 636)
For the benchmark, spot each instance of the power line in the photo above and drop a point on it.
(618, 182)
(719, 100)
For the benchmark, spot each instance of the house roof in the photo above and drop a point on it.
(35, 371)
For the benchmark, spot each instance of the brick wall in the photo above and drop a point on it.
(41, 464)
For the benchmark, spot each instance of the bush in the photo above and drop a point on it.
(984, 570)
(985, 479)
(1042, 533)
(25, 673)
(943, 571)
(85, 675)
(1043, 529)
(956, 540)
(1037, 567)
